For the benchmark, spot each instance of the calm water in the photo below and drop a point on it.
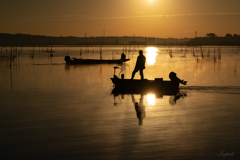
(53, 111)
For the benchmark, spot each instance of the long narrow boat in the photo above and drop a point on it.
(75, 61)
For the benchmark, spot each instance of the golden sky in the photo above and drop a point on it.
(158, 18)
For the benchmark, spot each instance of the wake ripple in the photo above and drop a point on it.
(213, 89)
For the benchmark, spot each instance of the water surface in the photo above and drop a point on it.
(53, 111)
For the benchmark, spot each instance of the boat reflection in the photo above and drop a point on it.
(151, 100)
(151, 95)
(151, 55)
(144, 91)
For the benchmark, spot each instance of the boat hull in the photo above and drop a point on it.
(76, 61)
(128, 86)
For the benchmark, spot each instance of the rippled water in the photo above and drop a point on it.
(53, 111)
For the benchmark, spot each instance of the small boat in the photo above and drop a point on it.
(75, 61)
(144, 86)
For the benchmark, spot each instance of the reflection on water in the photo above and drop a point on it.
(151, 55)
(173, 99)
(140, 109)
(151, 99)
(58, 112)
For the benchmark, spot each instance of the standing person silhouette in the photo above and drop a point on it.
(140, 65)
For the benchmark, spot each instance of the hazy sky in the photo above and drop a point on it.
(158, 18)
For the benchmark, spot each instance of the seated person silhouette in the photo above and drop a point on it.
(140, 65)
(175, 80)
(123, 56)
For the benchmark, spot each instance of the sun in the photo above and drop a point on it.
(151, 1)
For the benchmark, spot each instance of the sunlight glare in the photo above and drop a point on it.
(151, 99)
(151, 55)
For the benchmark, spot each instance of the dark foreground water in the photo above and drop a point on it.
(52, 111)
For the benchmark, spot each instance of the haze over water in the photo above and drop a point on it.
(53, 111)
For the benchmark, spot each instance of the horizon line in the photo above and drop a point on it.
(95, 36)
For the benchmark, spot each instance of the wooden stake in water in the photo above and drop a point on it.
(170, 52)
(201, 51)
(101, 51)
(219, 53)
(193, 52)
(80, 51)
(208, 52)
(11, 53)
(214, 55)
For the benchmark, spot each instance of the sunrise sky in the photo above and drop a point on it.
(158, 18)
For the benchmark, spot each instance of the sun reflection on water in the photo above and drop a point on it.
(151, 55)
(151, 99)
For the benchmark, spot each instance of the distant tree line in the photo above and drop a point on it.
(30, 40)
(213, 39)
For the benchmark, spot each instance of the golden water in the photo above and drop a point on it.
(53, 111)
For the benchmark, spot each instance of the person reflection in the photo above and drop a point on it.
(140, 109)
(173, 99)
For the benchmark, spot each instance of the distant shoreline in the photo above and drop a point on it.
(38, 40)
(25, 40)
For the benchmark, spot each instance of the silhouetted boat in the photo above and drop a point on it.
(74, 61)
(135, 86)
